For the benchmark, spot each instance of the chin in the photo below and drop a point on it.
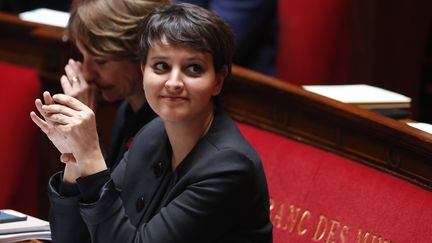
(173, 116)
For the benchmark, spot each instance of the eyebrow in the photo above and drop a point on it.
(163, 58)
(158, 58)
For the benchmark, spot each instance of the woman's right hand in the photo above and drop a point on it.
(75, 85)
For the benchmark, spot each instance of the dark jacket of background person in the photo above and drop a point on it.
(255, 25)
(126, 124)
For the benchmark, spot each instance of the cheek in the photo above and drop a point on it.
(147, 88)
(131, 76)
(151, 94)
(146, 79)
(150, 86)
(207, 90)
(108, 76)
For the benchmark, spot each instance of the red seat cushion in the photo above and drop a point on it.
(18, 138)
(318, 196)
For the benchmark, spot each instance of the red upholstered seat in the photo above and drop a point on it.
(317, 196)
(18, 146)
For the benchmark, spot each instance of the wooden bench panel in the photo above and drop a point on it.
(354, 133)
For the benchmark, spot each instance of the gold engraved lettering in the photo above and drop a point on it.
(322, 221)
(362, 238)
(373, 239)
(272, 203)
(279, 217)
(296, 219)
(370, 238)
(292, 217)
(333, 227)
(382, 240)
(344, 233)
(300, 229)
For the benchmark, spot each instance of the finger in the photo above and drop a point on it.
(70, 69)
(39, 122)
(70, 102)
(58, 119)
(72, 76)
(79, 64)
(66, 85)
(73, 65)
(38, 104)
(58, 109)
(74, 69)
(47, 98)
(79, 71)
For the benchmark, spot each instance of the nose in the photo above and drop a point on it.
(174, 82)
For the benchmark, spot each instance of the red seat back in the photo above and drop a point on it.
(18, 138)
(318, 196)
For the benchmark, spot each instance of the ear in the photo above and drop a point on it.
(220, 78)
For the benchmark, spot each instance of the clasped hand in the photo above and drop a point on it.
(71, 127)
(68, 123)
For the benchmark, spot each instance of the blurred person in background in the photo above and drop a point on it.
(105, 33)
(255, 26)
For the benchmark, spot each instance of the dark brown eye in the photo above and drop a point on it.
(195, 69)
(161, 66)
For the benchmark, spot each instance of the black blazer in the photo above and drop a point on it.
(217, 194)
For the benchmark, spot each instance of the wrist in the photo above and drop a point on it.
(71, 173)
(92, 163)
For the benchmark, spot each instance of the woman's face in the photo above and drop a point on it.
(116, 80)
(180, 82)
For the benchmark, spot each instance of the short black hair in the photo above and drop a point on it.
(191, 26)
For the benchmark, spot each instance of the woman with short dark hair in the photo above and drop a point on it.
(196, 180)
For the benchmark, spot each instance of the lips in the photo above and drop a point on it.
(173, 98)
